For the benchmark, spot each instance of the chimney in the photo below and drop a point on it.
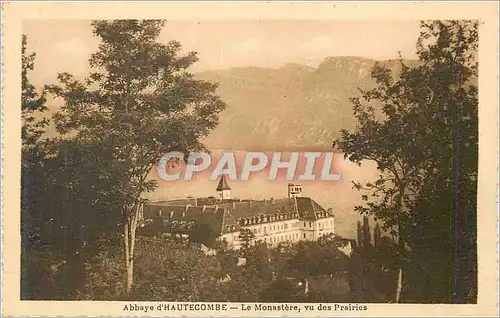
(234, 205)
(250, 203)
(171, 214)
(203, 208)
(294, 190)
(216, 207)
(272, 200)
(185, 211)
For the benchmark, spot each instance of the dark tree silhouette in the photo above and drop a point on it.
(424, 143)
(367, 236)
(138, 102)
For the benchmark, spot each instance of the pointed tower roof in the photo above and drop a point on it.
(223, 185)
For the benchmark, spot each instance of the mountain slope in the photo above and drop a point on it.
(295, 107)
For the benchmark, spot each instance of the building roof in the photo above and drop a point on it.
(177, 202)
(250, 208)
(302, 207)
(223, 185)
(209, 218)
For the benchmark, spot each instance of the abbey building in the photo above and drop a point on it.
(272, 221)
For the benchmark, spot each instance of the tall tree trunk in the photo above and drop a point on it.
(401, 244)
(399, 287)
(402, 260)
(126, 241)
(129, 229)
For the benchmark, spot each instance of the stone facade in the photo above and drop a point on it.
(272, 221)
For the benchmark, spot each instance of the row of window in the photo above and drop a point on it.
(267, 218)
(272, 228)
(325, 224)
(285, 226)
(283, 238)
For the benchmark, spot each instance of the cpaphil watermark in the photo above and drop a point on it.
(302, 166)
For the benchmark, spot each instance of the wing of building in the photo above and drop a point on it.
(272, 221)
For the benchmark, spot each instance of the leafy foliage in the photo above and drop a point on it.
(179, 271)
(141, 95)
(425, 146)
(32, 104)
(317, 258)
(367, 236)
(247, 237)
(377, 235)
(359, 234)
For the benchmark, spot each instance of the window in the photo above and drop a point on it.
(304, 235)
(286, 226)
(310, 224)
(305, 224)
(264, 230)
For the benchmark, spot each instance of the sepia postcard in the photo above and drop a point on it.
(248, 159)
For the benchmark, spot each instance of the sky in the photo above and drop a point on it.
(66, 45)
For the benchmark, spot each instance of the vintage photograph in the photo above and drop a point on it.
(266, 161)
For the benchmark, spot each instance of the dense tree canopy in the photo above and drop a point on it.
(424, 142)
(138, 102)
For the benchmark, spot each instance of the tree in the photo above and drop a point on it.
(386, 269)
(68, 213)
(138, 102)
(414, 140)
(452, 187)
(103, 272)
(247, 237)
(367, 237)
(32, 107)
(35, 264)
(178, 271)
(317, 258)
(32, 103)
(377, 235)
(360, 235)
(282, 290)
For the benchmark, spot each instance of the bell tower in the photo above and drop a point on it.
(223, 189)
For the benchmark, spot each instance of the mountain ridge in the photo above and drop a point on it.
(292, 107)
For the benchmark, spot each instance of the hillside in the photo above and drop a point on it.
(295, 107)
